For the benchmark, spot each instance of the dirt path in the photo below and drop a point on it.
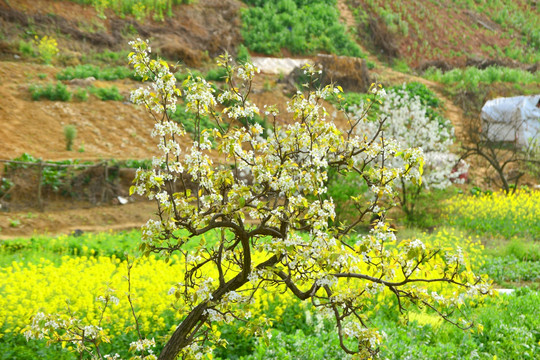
(95, 219)
(346, 15)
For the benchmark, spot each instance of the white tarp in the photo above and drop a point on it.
(515, 119)
(276, 66)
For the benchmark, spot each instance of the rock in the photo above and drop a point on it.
(122, 200)
(178, 51)
(82, 82)
(278, 66)
(349, 72)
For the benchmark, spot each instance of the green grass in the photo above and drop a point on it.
(423, 337)
(511, 327)
(509, 270)
(32, 250)
(503, 335)
(54, 92)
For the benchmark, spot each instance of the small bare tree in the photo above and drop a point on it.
(502, 146)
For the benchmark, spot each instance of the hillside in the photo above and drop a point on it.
(436, 43)
(452, 33)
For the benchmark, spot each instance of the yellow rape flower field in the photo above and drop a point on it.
(497, 213)
(71, 273)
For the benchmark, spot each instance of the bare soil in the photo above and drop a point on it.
(92, 219)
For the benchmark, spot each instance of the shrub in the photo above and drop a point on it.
(105, 94)
(81, 94)
(26, 48)
(70, 132)
(47, 48)
(52, 92)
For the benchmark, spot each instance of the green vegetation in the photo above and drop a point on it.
(497, 214)
(26, 48)
(99, 73)
(139, 9)
(188, 121)
(81, 94)
(106, 94)
(106, 58)
(517, 16)
(70, 132)
(57, 92)
(301, 27)
(242, 54)
(47, 48)
(296, 325)
(60, 92)
(470, 78)
(216, 74)
(450, 29)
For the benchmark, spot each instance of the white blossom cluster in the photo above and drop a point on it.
(143, 346)
(408, 123)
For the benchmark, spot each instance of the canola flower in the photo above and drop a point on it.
(84, 283)
(79, 284)
(497, 213)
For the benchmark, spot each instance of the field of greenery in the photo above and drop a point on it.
(470, 78)
(67, 274)
(270, 26)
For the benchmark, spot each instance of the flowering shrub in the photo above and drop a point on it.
(47, 48)
(276, 233)
(497, 213)
(410, 124)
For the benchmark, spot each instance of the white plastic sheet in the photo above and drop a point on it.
(515, 119)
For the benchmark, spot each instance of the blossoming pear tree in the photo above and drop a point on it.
(408, 122)
(274, 225)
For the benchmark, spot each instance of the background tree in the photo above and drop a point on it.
(498, 146)
(409, 122)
